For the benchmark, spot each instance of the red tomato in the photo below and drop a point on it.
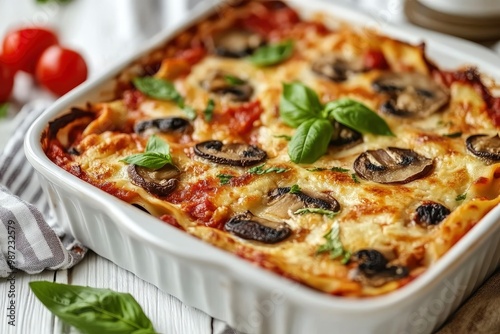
(60, 70)
(6, 82)
(23, 47)
(375, 59)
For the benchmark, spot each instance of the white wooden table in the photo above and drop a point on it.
(167, 313)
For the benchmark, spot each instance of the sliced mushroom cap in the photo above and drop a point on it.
(373, 268)
(410, 94)
(250, 227)
(163, 125)
(281, 201)
(235, 43)
(159, 182)
(392, 165)
(235, 154)
(431, 213)
(336, 68)
(236, 89)
(63, 121)
(345, 137)
(484, 146)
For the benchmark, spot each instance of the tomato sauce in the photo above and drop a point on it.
(240, 120)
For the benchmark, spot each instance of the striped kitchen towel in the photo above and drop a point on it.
(30, 239)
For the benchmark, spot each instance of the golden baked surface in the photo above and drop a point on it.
(346, 209)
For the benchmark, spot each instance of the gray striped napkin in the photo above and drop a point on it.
(32, 239)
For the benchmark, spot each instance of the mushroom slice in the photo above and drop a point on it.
(336, 68)
(484, 146)
(411, 95)
(430, 213)
(160, 182)
(250, 227)
(234, 154)
(163, 125)
(374, 269)
(236, 89)
(345, 137)
(282, 201)
(392, 165)
(235, 43)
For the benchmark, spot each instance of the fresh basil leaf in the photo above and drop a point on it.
(259, 170)
(149, 160)
(319, 211)
(156, 155)
(357, 116)
(224, 178)
(92, 310)
(333, 245)
(209, 110)
(233, 81)
(159, 89)
(298, 104)
(310, 141)
(272, 54)
(157, 145)
(295, 189)
(4, 108)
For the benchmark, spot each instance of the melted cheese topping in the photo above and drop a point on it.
(372, 216)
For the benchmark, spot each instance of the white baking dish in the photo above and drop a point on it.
(247, 297)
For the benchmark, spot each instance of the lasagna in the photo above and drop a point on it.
(332, 155)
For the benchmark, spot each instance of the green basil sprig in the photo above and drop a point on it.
(92, 310)
(272, 54)
(260, 170)
(301, 108)
(334, 246)
(163, 90)
(209, 110)
(156, 155)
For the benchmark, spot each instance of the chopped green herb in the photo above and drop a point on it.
(4, 108)
(233, 81)
(355, 178)
(224, 178)
(285, 137)
(453, 135)
(316, 169)
(339, 169)
(461, 197)
(259, 170)
(319, 211)
(47, 1)
(209, 110)
(163, 90)
(156, 155)
(295, 189)
(333, 245)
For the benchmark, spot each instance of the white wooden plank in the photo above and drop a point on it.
(59, 327)
(30, 314)
(167, 313)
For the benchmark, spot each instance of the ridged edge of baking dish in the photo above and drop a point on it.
(231, 289)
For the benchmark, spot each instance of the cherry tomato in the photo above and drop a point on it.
(6, 82)
(60, 70)
(23, 47)
(375, 59)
